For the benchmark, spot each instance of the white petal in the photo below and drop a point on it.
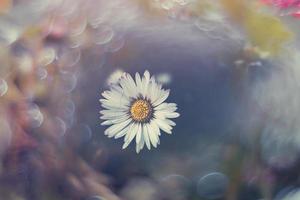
(129, 87)
(170, 122)
(139, 146)
(116, 108)
(145, 83)
(132, 133)
(142, 143)
(115, 121)
(106, 95)
(170, 107)
(123, 131)
(117, 88)
(114, 129)
(147, 74)
(115, 103)
(130, 80)
(128, 91)
(108, 117)
(153, 133)
(163, 125)
(155, 125)
(163, 114)
(151, 90)
(138, 81)
(159, 115)
(138, 135)
(110, 94)
(162, 98)
(144, 88)
(172, 115)
(111, 114)
(116, 92)
(156, 92)
(146, 136)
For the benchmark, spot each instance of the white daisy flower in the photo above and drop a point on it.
(136, 109)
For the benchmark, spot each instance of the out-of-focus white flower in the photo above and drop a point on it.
(164, 78)
(136, 109)
(115, 77)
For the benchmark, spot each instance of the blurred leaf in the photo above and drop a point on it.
(266, 32)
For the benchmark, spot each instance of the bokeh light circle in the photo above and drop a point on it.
(3, 87)
(212, 185)
(95, 198)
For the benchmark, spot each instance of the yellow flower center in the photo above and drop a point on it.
(140, 110)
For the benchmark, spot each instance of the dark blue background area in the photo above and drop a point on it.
(202, 86)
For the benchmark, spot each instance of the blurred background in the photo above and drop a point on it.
(233, 67)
